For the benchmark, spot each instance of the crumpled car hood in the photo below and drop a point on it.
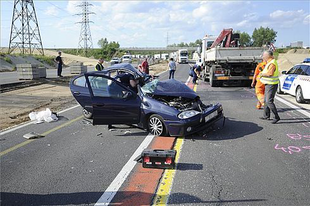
(174, 88)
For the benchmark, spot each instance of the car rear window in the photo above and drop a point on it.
(81, 82)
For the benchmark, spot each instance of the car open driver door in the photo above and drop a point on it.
(112, 102)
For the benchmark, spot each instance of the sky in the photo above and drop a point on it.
(148, 23)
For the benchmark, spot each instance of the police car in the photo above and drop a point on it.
(296, 82)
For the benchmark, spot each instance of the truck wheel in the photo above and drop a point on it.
(156, 125)
(213, 83)
(87, 114)
(279, 91)
(299, 96)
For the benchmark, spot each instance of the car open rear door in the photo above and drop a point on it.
(112, 102)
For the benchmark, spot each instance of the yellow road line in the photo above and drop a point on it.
(164, 188)
(43, 134)
(165, 185)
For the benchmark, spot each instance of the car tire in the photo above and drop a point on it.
(87, 114)
(156, 125)
(299, 96)
(279, 91)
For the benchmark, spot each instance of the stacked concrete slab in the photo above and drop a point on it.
(30, 71)
(78, 68)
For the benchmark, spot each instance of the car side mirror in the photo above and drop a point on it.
(283, 72)
(127, 95)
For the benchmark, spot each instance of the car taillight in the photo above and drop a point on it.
(219, 72)
(146, 159)
(168, 160)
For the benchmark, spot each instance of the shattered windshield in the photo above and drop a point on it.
(150, 87)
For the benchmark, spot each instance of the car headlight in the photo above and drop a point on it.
(188, 114)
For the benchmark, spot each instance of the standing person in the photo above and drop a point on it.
(99, 66)
(145, 66)
(59, 64)
(196, 73)
(270, 77)
(259, 86)
(172, 67)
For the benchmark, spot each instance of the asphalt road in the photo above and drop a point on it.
(246, 162)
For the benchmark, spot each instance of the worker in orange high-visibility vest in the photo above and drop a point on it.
(259, 86)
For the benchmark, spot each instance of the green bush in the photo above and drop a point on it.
(45, 59)
(8, 60)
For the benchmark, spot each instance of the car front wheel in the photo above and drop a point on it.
(299, 96)
(87, 114)
(279, 91)
(156, 125)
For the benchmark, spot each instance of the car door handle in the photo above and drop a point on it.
(99, 105)
(76, 93)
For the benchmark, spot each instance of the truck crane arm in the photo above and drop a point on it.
(226, 33)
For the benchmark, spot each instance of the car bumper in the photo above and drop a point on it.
(193, 126)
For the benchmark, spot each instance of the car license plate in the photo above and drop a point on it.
(210, 116)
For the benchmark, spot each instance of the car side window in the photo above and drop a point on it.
(81, 82)
(304, 69)
(298, 70)
(307, 71)
(103, 87)
(292, 70)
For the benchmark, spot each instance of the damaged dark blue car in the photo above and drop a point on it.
(161, 107)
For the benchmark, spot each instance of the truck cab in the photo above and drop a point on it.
(182, 56)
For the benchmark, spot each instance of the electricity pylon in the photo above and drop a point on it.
(25, 32)
(85, 42)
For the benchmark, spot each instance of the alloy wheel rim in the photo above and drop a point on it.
(85, 112)
(298, 94)
(156, 126)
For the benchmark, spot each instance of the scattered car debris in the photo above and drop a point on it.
(33, 135)
(43, 116)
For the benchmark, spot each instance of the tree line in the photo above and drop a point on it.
(260, 37)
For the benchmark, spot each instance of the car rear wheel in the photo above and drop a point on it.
(87, 114)
(156, 125)
(299, 96)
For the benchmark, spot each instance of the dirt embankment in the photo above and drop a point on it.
(17, 104)
(289, 59)
(158, 68)
(8, 62)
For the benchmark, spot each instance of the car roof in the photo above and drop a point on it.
(308, 64)
(123, 66)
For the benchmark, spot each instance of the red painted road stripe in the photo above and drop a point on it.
(143, 183)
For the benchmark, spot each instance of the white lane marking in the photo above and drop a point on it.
(188, 79)
(298, 109)
(111, 191)
(11, 129)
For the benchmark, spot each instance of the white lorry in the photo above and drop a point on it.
(223, 60)
(126, 58)
(182, 56)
